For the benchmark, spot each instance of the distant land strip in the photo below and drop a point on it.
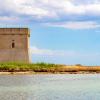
(35, 68)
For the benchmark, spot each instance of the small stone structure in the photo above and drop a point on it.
(14, 44)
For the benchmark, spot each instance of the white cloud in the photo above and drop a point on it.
(53, 10)
(48, 7)
(48, 52)
(93, 9)
(6, 18)
(75, 25)
(25, 7)
(63, 56)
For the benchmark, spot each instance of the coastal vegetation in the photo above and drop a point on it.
(45, 67)
(36, 67)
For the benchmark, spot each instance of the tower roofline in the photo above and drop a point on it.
(13, 31)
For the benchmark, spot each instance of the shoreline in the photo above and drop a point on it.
(45, 68)
(34, 73)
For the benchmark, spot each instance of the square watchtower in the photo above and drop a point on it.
(14, 43)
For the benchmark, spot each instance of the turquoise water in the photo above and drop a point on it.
(50, 87)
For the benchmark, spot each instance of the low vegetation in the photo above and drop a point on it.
(45, 67)
(37, 67)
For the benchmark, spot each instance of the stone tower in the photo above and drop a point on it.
(14, 45)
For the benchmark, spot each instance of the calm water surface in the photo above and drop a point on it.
(50, 87)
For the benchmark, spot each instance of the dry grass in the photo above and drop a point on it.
(45, 67)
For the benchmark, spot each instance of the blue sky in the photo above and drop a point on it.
(62, 31)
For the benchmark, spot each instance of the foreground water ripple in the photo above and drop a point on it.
(50, 87)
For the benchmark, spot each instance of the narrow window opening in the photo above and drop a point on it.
(13, 44)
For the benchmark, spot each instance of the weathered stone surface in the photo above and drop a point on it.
(14, 44)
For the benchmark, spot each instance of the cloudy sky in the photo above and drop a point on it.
(62, 31)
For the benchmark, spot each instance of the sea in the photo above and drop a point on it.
(50, 87)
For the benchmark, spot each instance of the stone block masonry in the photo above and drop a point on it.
(14, 45)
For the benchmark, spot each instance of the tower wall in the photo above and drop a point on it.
(14, 44)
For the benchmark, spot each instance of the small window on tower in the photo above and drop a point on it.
(13, 44)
